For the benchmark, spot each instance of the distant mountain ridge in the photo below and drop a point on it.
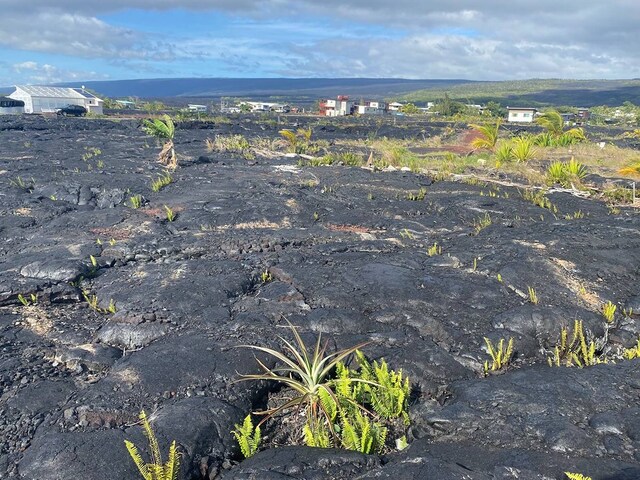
(305, 91)
(262, 87)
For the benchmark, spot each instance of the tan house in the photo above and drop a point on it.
(521, 115)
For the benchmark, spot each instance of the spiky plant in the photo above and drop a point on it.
(156, 470)
(523, 149)
(503, 152)
(488, 135)
(307, 372)
(576, 169)
(163, 128)
(571, 137)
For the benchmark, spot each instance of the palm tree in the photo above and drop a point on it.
(552, 122)
(488, 135)
(165, 129)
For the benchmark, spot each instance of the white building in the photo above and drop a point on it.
(336, 108)
(267, 107)
(521, 115)
(42, 99)
(10, 106)
(371, 108)
(197, 108)
(395, 106)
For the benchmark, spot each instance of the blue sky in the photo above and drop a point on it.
(42, 41)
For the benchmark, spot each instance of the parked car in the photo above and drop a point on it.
(74, 110)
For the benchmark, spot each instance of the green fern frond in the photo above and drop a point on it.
(350, 439)
(137, 459)
(151, 438)
(172, 467)
(328, 403)
(316, 434)
(155, 470)
(576, 476)
(248, 437)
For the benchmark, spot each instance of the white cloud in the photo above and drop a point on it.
(492, 39)
(31, 72)
(78, 36)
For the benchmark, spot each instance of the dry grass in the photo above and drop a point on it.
(605, 161)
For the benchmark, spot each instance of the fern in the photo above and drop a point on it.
(328, 403)
(317, 434)
(361, 434)
(248, 437)
(500, 355)
(576, 476)
(632, 353)
(156, 470)
(389, 391)
(577, 352)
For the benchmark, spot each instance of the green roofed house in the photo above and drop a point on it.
(43, 99)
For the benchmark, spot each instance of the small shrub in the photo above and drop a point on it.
(556, 173)
(135, 201)
(298, 141)
(32, 300)
(566, 174)
(577, 352)
(171, 215)
(539, 198)
(533, 296)
(481, 223)
(632, 353)
(417, 196)
(161, 182)
(609, 311)
(633, 169)
(434, 249)
(500, 355)
(230, 144)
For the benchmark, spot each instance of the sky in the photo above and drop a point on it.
(48, 41)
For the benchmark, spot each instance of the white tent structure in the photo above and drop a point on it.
(39, 99)
(9, 105)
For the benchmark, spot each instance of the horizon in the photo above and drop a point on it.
(83, 41)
